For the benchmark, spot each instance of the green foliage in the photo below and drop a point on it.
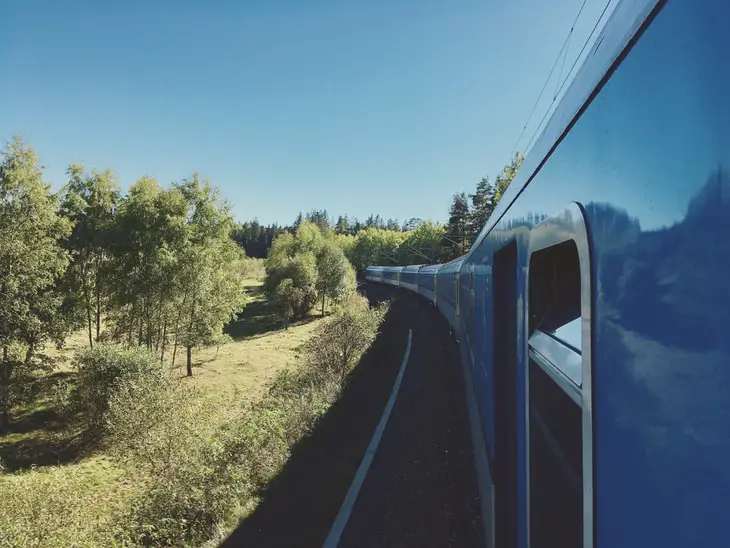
(48, 508)
(163, 432)
(335, 276)
(342, 226)
(423, 244)
(196, 475)
(89, 202)
(252, 269)
(483, 202)
(148, 241)
(508, 173)
(458, 225)
(255, 238)
(375, 246)
(31, 262)
(305, 266)
(288, 298)
(175, 276)
(106, 369)
(338, 344)
(292, 283)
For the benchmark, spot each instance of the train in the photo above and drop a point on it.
(592, 311)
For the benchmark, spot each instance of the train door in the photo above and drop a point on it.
(559, 411)
(504, 384)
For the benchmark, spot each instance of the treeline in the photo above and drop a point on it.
(154, 267)
(387, 241)
(469, 212)
(256, 239)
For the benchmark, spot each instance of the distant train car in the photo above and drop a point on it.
(391, 275)
(409, 277)
(592, 310)
(427, 282)
(374, 274)
(447, 294)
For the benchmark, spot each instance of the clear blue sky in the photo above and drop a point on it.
(384, 106)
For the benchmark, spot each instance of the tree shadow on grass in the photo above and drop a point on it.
(259, 317)
(38, 436)
(44, 448)
(300, 504)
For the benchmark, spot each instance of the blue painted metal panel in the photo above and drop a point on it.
(447, 298)
(427, 282)
(391, 275)
(408, 277)
(374, 274)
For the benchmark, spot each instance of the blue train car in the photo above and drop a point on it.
(592, 309)
(427, 282)
(409, 277)
(391, 275)
(447, 295)
(374, 274)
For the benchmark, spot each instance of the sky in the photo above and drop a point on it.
(375, 106)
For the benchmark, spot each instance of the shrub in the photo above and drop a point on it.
(48, 508)
(252, 268)
(338, 344)
(101, 370)
(161, 425)
(165, 432)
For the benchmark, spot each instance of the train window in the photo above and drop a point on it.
(558, 414)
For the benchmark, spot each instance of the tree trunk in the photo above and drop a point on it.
(174, 351)
(190, 330)
(98, 317)
(98, 299)
(87, 303)
(91, 331)
(177, 328)
(5, 391)
(164, 341)
(140, 330)
(323, 299)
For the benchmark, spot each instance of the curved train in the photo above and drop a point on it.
(593, 309)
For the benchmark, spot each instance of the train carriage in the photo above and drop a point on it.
(409, 278)
(591, 311)
(427, 282)
(391, 275)
(374, 274)
(447, 293)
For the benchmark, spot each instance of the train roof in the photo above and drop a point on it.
(453, 265)
(624, 22)
(431, 268)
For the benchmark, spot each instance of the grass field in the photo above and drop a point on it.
(40, 439)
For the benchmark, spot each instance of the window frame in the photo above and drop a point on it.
(569, 225)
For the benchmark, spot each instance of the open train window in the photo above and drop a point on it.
(558, 384)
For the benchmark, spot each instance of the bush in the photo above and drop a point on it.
(161, 425)
(101, 370)
(252, 268)
(48, 508)
(165, 433)
(338, 344)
